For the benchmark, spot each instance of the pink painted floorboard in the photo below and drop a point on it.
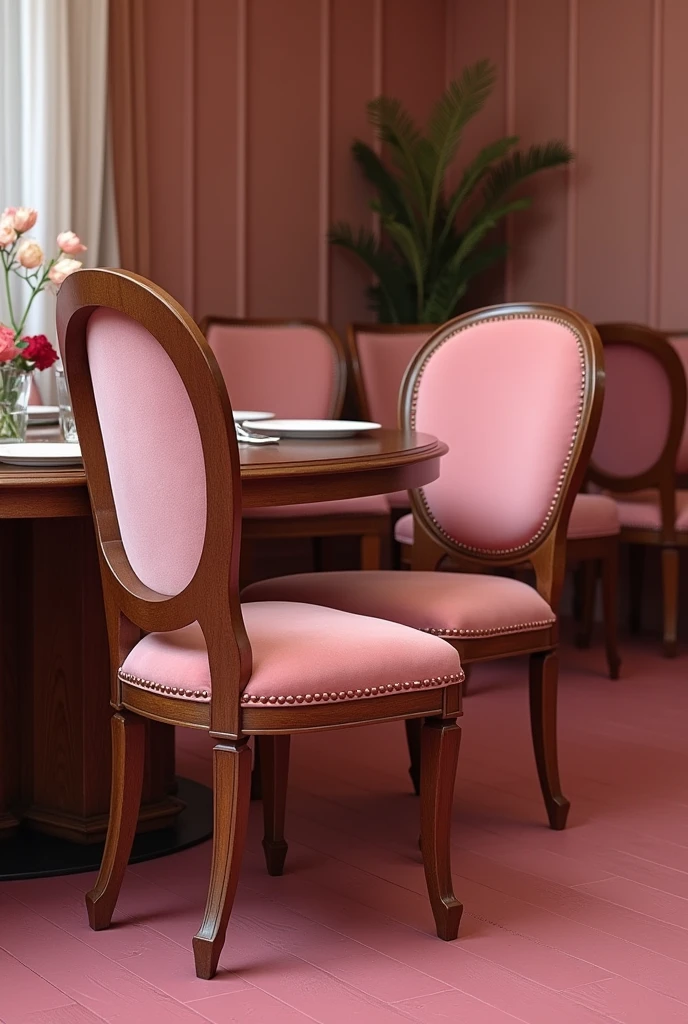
(582, 927)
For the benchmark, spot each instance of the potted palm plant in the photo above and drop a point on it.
(433, 241)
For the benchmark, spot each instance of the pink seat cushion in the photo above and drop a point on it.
(373, 506)
(641, 511)
(301, 654)
(593, 515)
(448, 604)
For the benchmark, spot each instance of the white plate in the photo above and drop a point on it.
(317, 429)
(43, 414)
(248, 417)
(38, 453)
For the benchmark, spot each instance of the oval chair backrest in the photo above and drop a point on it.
(515, 392)
(644, 408)
(380, 355)
(680, 344)
(294, 369)
(157, 436)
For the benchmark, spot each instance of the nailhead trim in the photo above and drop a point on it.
(562, 476)
(496, 631)
(369, 691)
(167, 691)
(305, 698)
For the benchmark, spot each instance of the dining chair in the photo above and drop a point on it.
(296, 369)
(638, 454)
(516, 393)
(379, 355)
(162, 465)
(592, 544)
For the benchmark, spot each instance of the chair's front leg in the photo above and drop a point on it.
(274, 769)
(610, 602)
(544, 677)
(231, 796)
(128, 753)
(440, 739)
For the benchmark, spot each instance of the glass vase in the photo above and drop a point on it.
(15, 386)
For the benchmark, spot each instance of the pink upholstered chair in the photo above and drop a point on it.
(296, 369)
(379, 355)
(162, 464)
(640, 450)
(516, 392)
(593, 544)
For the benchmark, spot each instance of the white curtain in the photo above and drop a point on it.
(54, 145)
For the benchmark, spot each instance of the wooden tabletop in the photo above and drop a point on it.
(288, 473)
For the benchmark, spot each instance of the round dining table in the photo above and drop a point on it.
(54, 656)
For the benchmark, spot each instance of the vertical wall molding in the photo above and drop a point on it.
(189, 155)
(572, 137)
(324, 183)
(510, 127)
(242, 158)
(655, 257)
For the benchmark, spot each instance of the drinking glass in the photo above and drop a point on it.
(64, 400)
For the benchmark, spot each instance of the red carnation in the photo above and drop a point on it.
(39, 351)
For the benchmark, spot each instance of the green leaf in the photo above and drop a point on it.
(444, 298)
(406, 241)
(521, 165)
(473, 175)
(381, 178)
(366, 247)
(394, 125)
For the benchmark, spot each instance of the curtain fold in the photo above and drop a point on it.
(128, 119)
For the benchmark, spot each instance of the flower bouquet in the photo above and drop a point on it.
(20, 354)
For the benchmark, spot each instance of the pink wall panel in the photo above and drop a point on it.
(537, 109)
(672, 298)
(613, 172)
(411, 31)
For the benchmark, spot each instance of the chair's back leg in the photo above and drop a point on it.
(544, 678)
(439, 757)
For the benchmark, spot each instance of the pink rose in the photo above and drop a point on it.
(30, 254)
(24, 218)
(8, 213)
(70, 243)
(62, 269)
(7, 347)
(8, 236)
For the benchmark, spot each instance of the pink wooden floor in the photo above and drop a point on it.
(581, 927)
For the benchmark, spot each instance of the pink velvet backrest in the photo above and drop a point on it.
(294, 370)
(153, 450)
(381, 358)
(506, 390)
(680, 344)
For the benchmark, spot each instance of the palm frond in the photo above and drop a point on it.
(472, 176)
(395, 126)
(391, 198)
(462, 100)
(366, 247)
(409, 245)
(520, 165)
(446, 293)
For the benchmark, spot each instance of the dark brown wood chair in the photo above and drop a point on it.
(162, 464)
(636, 457)
(296, 369)
(516, 393)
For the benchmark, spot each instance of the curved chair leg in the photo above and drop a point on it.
(256, 780)
(440, 753)
(128, 752)
(636, 572)
(588, 572)
(371, 551)
(413, 734)
(231, 796)
(274, 769)
(670, 568)
(610, 602)
(544, 672)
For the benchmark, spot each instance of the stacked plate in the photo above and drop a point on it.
(43, 415)
(43, 454)
(314, 429)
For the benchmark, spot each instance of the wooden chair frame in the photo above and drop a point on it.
(660, 477)
(212, 599)
(546, 553)
(372, 529)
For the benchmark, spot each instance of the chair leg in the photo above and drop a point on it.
(231, 796)
(588, 574)
(274, 768)
(128, 752)
(256, 780)
(610, 602)
(413, 739)
(317, 548)
(440, 753)
(544, 672)
(636, 572)
(670, 569)
(371, 551)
